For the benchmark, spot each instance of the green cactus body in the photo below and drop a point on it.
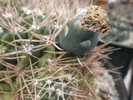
(43, 30)
(7, 37)
(1, 34)
(53, 98)
(77, 39)
(17, 83)
(44, 59)
(5, 87)
(25, 62)
(36, 54)
(6, 96)
(3, 49)
(46, 55)
(1, 66)
(50, 48)
(45, 97)
(22, 35)
(33, 62)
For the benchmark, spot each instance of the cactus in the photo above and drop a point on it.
(120, 29)
(36, 39)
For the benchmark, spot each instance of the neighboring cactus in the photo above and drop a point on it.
(120, 30)
(33, 66)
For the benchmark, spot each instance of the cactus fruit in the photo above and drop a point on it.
(80, 35)
(32, 64)
(76, 39)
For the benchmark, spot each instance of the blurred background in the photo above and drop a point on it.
(120, 20)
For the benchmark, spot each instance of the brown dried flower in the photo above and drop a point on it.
(95, 20)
